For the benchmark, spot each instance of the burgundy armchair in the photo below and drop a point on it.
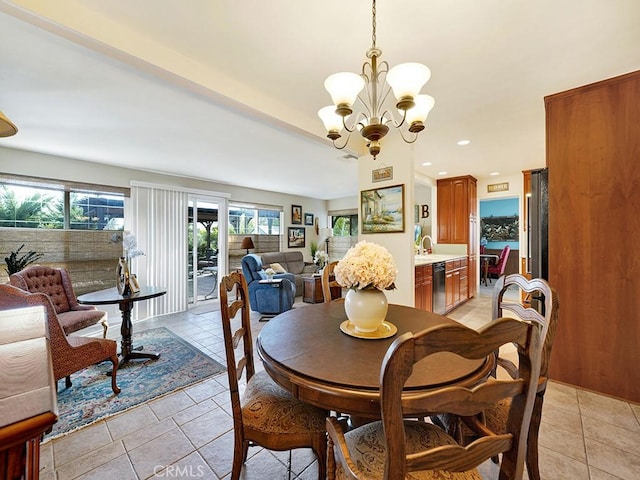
(56, 284)
(68, 353)
(497, 270)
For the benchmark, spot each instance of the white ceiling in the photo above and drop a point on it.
(228, 90)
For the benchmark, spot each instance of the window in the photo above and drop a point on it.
(249, 220)
(345, 225)
(37, 203)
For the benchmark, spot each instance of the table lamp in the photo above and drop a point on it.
(247, 243)
(326, 233)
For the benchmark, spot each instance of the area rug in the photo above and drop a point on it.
(91, 399)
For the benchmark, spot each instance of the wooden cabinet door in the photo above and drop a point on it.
(460, 218)
(445, 210)
(418, 294)
(448, 291)
(428, 289)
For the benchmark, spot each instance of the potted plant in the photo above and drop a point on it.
(16, 263)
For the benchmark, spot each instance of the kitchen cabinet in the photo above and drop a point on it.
(424, 288)
(456, 283)
(458, 222)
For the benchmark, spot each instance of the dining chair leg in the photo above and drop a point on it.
(331, 461)
(320, 449)
(532, 440)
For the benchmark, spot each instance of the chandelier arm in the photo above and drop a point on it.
(346, 140)
(411, 139)
(393, 120)
(355, 123)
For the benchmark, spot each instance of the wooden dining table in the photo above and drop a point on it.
(305, 352)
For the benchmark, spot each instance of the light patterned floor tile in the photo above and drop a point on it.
(118, 468)
(89, 461)
(607, 409)
(208, 427)
(81, 442)
(171, 404)
(131, 421)
(159, 453)
(617, 437)
(613, 460)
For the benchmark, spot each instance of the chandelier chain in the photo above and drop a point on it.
(373, 25)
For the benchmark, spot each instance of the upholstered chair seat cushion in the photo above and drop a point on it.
(367, 450)
(75, 320)
(269, 408)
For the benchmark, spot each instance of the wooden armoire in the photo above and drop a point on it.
(593, 156)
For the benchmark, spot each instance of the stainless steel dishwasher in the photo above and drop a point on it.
(439, 301)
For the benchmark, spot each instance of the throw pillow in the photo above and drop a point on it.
(278, 268)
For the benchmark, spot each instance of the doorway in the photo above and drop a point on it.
(206, 255)
(500, 227)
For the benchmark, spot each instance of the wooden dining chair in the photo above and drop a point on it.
(329, 282)
(533, 301)
(265, 414)
(397, 447)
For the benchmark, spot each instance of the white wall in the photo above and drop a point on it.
(400, 156)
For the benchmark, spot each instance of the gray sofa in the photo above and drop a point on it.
(293, 262)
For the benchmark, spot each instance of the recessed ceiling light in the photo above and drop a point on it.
(464, 142)
(442, 173)
(493, 174)
(426, 164)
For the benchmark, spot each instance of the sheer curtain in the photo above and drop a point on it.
(159, 222)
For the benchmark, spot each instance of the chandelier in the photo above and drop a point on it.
(378, 80)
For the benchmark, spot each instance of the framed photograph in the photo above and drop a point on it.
(295, 237)
(382, 209)
(296, 214)
(308, 219)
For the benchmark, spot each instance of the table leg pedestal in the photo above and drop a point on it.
(127, 351)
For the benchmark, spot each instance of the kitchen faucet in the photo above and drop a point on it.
(422, 245)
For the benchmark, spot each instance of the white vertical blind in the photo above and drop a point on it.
(159, 221)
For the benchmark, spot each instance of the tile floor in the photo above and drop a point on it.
(189, 433)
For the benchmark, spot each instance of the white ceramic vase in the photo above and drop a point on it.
(366, 309)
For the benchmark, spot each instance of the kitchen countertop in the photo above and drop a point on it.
(434, 258)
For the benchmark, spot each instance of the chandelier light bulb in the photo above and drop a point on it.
(407, 79)
(421, 109)
(344, 88)
(331, 120)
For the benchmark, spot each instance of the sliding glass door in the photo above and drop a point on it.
(206, 256)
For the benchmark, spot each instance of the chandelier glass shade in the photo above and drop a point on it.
(370, 91)
(7, 128)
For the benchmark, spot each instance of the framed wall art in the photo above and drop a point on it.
(308, 219)
(296, 214)
(295, 237)
(380, 174)
(382, 209)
